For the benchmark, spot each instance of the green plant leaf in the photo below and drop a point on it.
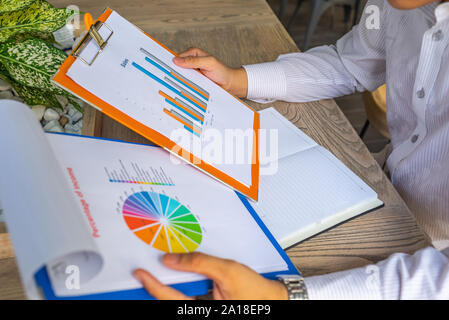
(31, 96)
(32, 63)
(29, 74)
(13, 5)
(35, 96)
(39, 16)
(26, 35)
(4, 73)
(76, 104)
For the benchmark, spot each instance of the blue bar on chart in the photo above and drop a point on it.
(188, 106)
(191, 86)
(187, 96)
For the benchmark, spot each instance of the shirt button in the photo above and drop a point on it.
(420, 93)
(414, 138)
(437, 36)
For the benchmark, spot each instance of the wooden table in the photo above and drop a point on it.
(243, 32)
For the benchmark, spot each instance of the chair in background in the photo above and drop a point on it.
(317, 8)
(376, 113)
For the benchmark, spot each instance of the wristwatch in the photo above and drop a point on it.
(295, 285)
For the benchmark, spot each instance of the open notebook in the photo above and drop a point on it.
(100, 209)
(308, 189)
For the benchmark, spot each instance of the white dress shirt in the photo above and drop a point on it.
(409, 52)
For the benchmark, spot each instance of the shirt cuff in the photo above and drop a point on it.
(266, 81)
(355, 284)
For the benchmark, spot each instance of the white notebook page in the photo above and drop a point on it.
(310, 188)
(40, 210)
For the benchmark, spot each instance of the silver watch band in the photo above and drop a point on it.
(295, 285)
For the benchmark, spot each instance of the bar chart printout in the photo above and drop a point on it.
(133, 173)
(185, 101)
(136, 82)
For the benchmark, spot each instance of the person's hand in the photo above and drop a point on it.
(233, 80)
(232, 280)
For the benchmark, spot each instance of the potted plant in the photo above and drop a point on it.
(30, 56)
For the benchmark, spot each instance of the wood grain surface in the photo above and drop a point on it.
(244, 32)
(10, 285)
(6, 249)
(2, 227)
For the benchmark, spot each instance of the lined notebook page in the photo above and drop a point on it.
(311, 191)
(291, 139)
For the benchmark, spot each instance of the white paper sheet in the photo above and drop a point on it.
(311, 191)
(131, 72)
(290, 139)
(41, 213)
(227, 228)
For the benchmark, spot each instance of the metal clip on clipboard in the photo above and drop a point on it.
(93, 34)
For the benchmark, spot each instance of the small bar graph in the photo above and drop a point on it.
(187, 96)
(199, 114)
(188, 125)
(134, 173)
(185, 101)
(190, 85)
(187, 110)
(176, 76)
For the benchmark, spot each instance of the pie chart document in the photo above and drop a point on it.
(138, 203)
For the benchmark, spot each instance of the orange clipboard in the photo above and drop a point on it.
(62, 80)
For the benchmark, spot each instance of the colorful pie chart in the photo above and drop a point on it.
(162, 222)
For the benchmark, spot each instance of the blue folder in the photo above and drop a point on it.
(189, 288)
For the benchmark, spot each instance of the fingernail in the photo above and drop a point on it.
(178, 59)
(171, 258)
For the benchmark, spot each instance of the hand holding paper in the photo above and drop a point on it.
(233, 80)
(232, 280)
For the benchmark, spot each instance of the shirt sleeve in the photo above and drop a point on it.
(424, 275)
(355, 63)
